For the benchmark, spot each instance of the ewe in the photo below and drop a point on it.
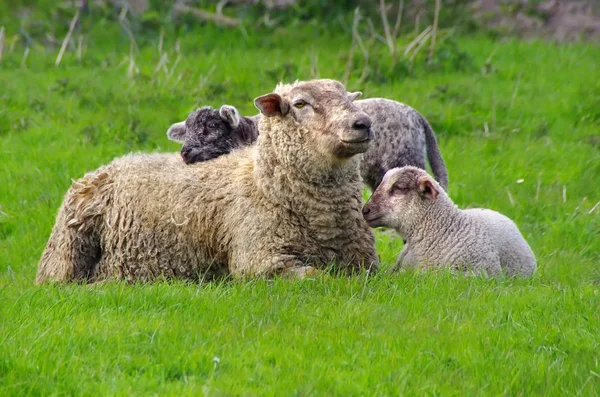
(288, 205)
(438, 234)
(402, 137)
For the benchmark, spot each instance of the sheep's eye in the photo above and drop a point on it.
(212, 125)
(299, 104)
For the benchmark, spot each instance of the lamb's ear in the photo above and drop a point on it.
(176, 132)
(427, 188)
(272, 105)
(230, 115)
(354, 95)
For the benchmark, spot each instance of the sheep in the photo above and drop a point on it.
(402, 137)
(439, 234)
(289, 205)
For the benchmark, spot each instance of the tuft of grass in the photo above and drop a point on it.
(517, 126)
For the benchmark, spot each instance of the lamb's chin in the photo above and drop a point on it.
(376, 222)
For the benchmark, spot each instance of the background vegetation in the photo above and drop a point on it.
(518, 124)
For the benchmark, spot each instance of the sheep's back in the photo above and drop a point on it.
(168, 218)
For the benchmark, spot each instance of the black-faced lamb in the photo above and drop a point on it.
(402, 137)
(438, 234)
(289, 205)
(210, 133)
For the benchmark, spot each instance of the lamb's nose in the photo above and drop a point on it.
(362, 123)
(186, 154)
(366, 211)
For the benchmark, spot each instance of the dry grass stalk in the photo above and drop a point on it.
(417, 40)
(510, 197)
(436, 16)
(25, 55)
(65, 42)
(2, 41)
(391, 36)
(355, 21)
(398, 19)
(80, 48)
(594, 207)
(420, 44)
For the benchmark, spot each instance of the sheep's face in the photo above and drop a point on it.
(326, 111)
(208, 133)
(401, 198)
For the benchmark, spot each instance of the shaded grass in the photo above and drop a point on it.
(529, 113)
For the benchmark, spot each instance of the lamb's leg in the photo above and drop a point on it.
(405, 260)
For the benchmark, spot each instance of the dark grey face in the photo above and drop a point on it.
(208, 133)
(207, 136)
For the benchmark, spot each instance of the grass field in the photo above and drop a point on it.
(519, 127)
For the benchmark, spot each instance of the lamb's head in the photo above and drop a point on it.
(208, 133)
(402, 198)
(319, 114)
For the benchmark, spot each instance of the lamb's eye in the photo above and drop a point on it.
(299, 104)
(399, 189)
(212, 126)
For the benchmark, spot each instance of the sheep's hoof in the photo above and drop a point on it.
(301, 272)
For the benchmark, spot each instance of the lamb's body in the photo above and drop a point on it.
(475, 240)
(440, 235)
(146, 216)
(402, 137)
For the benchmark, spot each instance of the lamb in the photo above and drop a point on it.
(209, 133)
(289, 205)
(438, 234)
(402, 137)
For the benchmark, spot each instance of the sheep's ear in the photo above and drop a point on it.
(177, 132)
(354, 95)
(427, 188)
(230, 115)
(272, 105)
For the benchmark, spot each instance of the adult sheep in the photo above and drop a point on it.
(289, 205)
(402, 137)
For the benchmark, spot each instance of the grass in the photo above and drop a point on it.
(518, 124)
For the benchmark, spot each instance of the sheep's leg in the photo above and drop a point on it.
(73, 250)
(268, 264)
(300, 272)
(71, 253)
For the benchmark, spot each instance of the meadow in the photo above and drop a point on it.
(518, 123)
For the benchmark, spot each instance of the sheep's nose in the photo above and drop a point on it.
(362, 123)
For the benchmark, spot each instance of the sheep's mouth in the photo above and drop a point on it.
(357, 140)
(360, 138)
(349, 148)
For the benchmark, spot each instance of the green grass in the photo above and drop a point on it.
(532, 113)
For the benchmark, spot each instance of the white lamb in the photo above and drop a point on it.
(438, 234)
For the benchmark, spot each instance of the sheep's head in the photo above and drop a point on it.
(402, 198)
(326, 112)
(208, 133)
